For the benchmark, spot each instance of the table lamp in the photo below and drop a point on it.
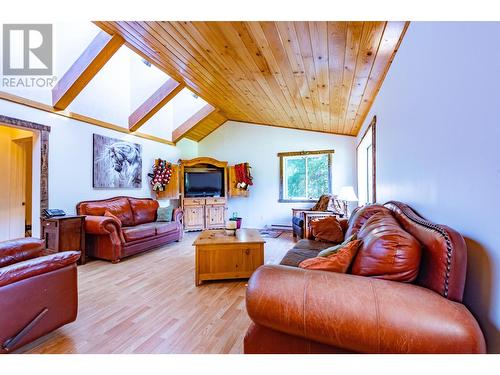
(347, 194)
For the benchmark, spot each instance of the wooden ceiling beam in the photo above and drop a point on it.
(154, 103)
(90, 62)
(191, 122)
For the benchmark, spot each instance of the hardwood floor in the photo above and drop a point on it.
(149, 304)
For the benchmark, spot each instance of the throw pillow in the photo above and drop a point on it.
(337, 262)
(327, 229)
(333, 249)
(389, 252)
(164, 213)
(109, 214)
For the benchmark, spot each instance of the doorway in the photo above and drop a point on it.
(16, 171)
(366, 165)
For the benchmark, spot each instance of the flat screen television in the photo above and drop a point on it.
(204, 184)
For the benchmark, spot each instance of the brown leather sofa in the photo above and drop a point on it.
(307, 311)
(38, 293)
(135, 231)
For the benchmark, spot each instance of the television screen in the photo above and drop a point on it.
(204, 184)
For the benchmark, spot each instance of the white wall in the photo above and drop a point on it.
(118, 89)
(70, 158)
(239, 142)
(438, 148)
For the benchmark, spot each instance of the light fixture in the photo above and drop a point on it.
(347, 194)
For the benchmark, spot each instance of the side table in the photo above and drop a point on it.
(64, 233)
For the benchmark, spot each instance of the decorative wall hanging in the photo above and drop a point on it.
(160, 177)
(243, 176)
(117, 163)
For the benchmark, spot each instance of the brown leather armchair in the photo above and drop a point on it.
(306, 311)
(38, 293)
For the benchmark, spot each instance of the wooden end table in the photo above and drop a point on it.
(64, 233)
(219, 256)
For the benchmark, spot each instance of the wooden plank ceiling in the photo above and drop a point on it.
(320, 76)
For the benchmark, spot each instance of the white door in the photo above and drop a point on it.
(17, 189)
(365, 170)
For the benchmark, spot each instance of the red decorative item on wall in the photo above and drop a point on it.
(243, 176)
(162, 172)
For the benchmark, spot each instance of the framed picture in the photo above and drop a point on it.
(117, 163)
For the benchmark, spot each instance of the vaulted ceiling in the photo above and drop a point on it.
(320, 76)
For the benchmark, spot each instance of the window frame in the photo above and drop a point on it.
(283, 155)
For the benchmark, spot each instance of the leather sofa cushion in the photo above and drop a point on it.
(311, 245)
(335, 262)
(388, 251)
(144, 210)
(295, 256)
(165, 227)
(139, 232)
(361, 215)
(327, 229)
(120, 207)
(14, 251)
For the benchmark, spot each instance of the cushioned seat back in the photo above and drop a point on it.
(361, 215)
(119, 206)
(18, 250)
(444, 253)
(144, 210)
(388, 252)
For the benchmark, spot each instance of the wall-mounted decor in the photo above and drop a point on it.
(160, 177)
(117, 163)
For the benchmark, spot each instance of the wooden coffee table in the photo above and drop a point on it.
(219, 256)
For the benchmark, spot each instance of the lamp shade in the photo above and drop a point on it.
(347, 194)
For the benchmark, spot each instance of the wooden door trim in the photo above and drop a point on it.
(44, 131)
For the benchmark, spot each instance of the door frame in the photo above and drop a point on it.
(373, 126)
(44, 131)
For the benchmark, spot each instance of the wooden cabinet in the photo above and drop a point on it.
(219, 256)
(204, 213)
(64, 233)
(215, 215)
(172, 190)
(194, 217)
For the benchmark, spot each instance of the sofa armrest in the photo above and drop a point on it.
(359, 313)
(37, 266)
(177, 215)
(101, 225)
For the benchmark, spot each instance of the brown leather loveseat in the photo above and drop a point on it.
(38, 293)
(132, 230)
(296, 310)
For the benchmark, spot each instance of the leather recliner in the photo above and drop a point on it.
(295, 310)
(131, 230)
(38, 293)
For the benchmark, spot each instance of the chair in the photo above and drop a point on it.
(327, 205)
(38, 292)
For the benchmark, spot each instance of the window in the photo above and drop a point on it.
(305, 175)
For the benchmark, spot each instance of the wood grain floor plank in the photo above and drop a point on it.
(149, 304)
